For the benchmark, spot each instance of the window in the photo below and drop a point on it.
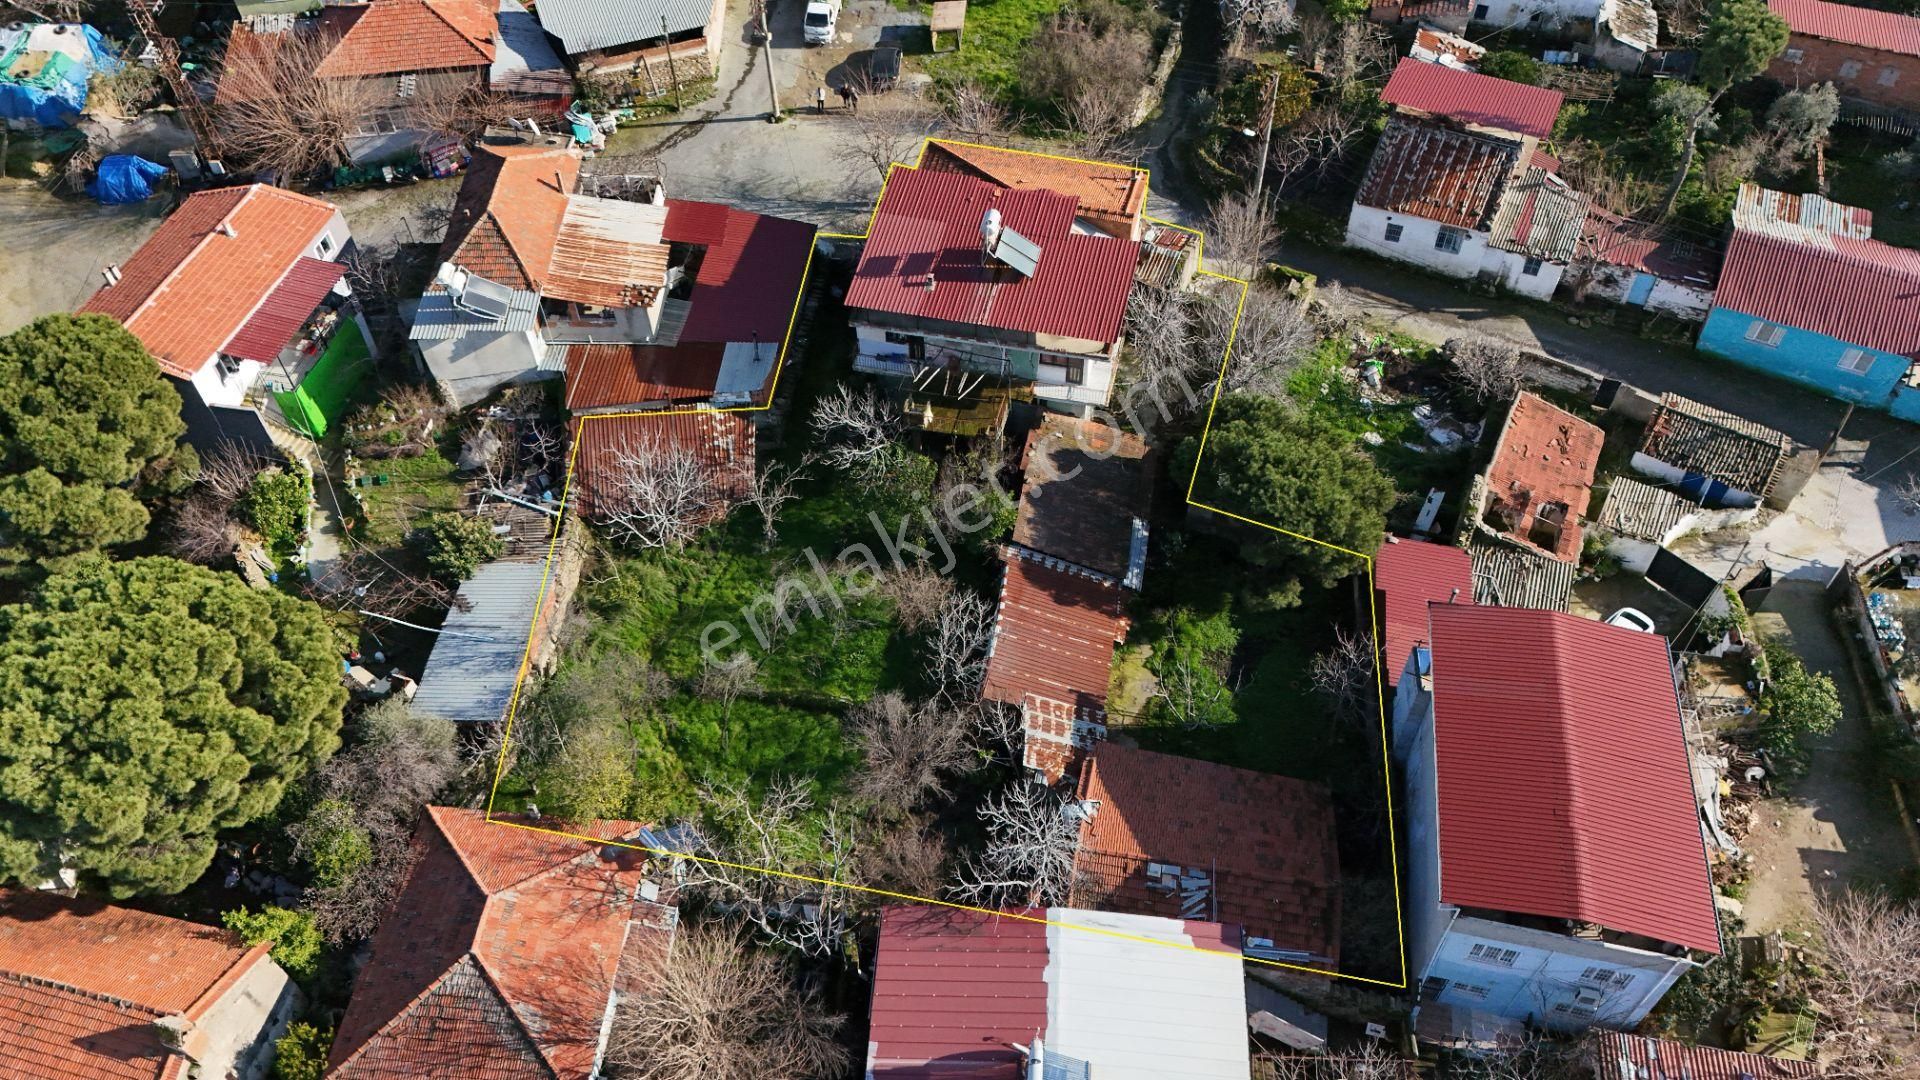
(326, 244)
(916, 345)
(1468, 990)
(1076, 369)
(226, 365)
(1794, 56)
(1480, 12)
(1448, 239)
(1762, 332)
(1601, 978)
(1433, 986)
(1856, 362)
(407, 86)
(1531, 267)
(1393, 233)
(1849, 68)
(1493, 954)
(1569, 1009)
(1888, 75)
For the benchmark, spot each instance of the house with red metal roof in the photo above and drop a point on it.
(639, 301)
(90, 991)
(993, 283)
(1174, 837)
(242, 300)
(1807, 294)
(1407, 576)
(504, 954)
(1868, 55)
(1478, 103)
(1055, 992)
(1642, 264)
(1536, 489)
(1556, 870)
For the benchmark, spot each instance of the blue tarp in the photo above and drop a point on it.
(53, 93)
(124, 178)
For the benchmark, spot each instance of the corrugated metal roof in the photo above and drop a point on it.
(1862, 292)
(1636, 1057)
(1540, 216)
(436, 319)
(1851, 24)
(1472, 98)
(751, 274)
(285, 310)
(1564, 785)
(523, 61)
(1511, 576)
(926, 232)
(953, 992)
(1642, 511)
(1741, 453)
(1640, 245)
(1407, 575)
(1437, 173)
(585, 25)
(1265, 843)
(1053, 637)
(470, 675)
(641, 376)
(1766, 210)
(608, 252)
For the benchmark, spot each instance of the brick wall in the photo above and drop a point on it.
(1828, 61)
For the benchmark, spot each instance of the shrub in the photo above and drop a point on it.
(1798, 703)
(1512, 66)
(296, 941)
(454, 545)
(301, 1054)
(275, 505)
(336, 845)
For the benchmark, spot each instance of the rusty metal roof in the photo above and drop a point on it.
(1539, 215)
(924, 258)
(1437, 173)
(1053, 637)
(1472, 98)
(1766, 210)
(608, 252)
(1564, 785)
(1636, 1057)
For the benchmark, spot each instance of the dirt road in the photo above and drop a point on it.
(54, 249)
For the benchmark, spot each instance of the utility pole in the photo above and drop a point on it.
(672, 72)
(1266, 137)
(766, 54)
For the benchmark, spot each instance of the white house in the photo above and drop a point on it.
(1641, 264)
(1556, 873)
(240, 297)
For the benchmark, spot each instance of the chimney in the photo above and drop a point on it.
(226, 230)
(111, 273)
(559, 185)
(1455, 596)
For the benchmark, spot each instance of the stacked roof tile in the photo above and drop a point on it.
(1564, 785)
(205, 272)
(1541, 477)
(1699, 439)
(1437, 173)
(1472, 98)
(1407, 575)
(1172, 836)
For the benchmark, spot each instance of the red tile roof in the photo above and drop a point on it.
(389, 37)
(1862, 292)
(1266, 841)
(1546, 456)
(951, 991)
(1564, 785)
(1053, 638)
(1437, 173)
(1851, 24)
(722, 441)
(1407, 574)
(748, 285)
(496, 960)
(191, 287)
(82, 982)
(285, 310)
(1618, 1055)
(639, 376)
(1109, 194)
(927, 229)
(507, 216)
(1472, 98)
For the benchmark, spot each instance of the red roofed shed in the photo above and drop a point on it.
(1472, 98)
(953, 992)
(747, 287)
(1407, 575)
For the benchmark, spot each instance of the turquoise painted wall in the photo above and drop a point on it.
(1808, 358)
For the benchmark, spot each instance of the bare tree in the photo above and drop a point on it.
(798, 853)
(456, 108)
(972, 110)
(1867, 984)
(361, 580)
(229, 469)
(772, 489)
(1345, 676)
(654, 497)
(1195, 696)
(918, 592)
(1314, 145)
(872, 141)
(276, 114)
(1267, 18)
(1367, 1061)
(1271, 333)
(1359, 52)
(1489, 370)
(909, 856)
(1027, 860)
(1240, 233)
(859, 427)
(1906, 494)
(957, 647)
(909, 750)
(715, 1006)
(202, 530)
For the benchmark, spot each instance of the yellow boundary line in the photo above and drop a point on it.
(533, 629)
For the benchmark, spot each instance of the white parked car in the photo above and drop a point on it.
(1632, 619)
(822, 15)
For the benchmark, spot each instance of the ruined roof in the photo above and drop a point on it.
(1641, 245)
(1540, 216)
(1740, 453)
(608, 252)
(721, 442)
(1563, 783)
(1545, 458)
(1472, 98)
(1509, 575)
(1086, 497)
(1798, 217)
(1437, 173)
(498, 956)
(1263, 843)
(391, 37)
(1633, 1056)
(1110, 194)
(82, 983)
(1643, 511)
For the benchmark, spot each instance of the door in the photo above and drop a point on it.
(1641, 288)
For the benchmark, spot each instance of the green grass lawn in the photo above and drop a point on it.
(415, 486)
(1325, 388)
(996, 35)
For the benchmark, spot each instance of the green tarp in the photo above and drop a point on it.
(316, 404)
